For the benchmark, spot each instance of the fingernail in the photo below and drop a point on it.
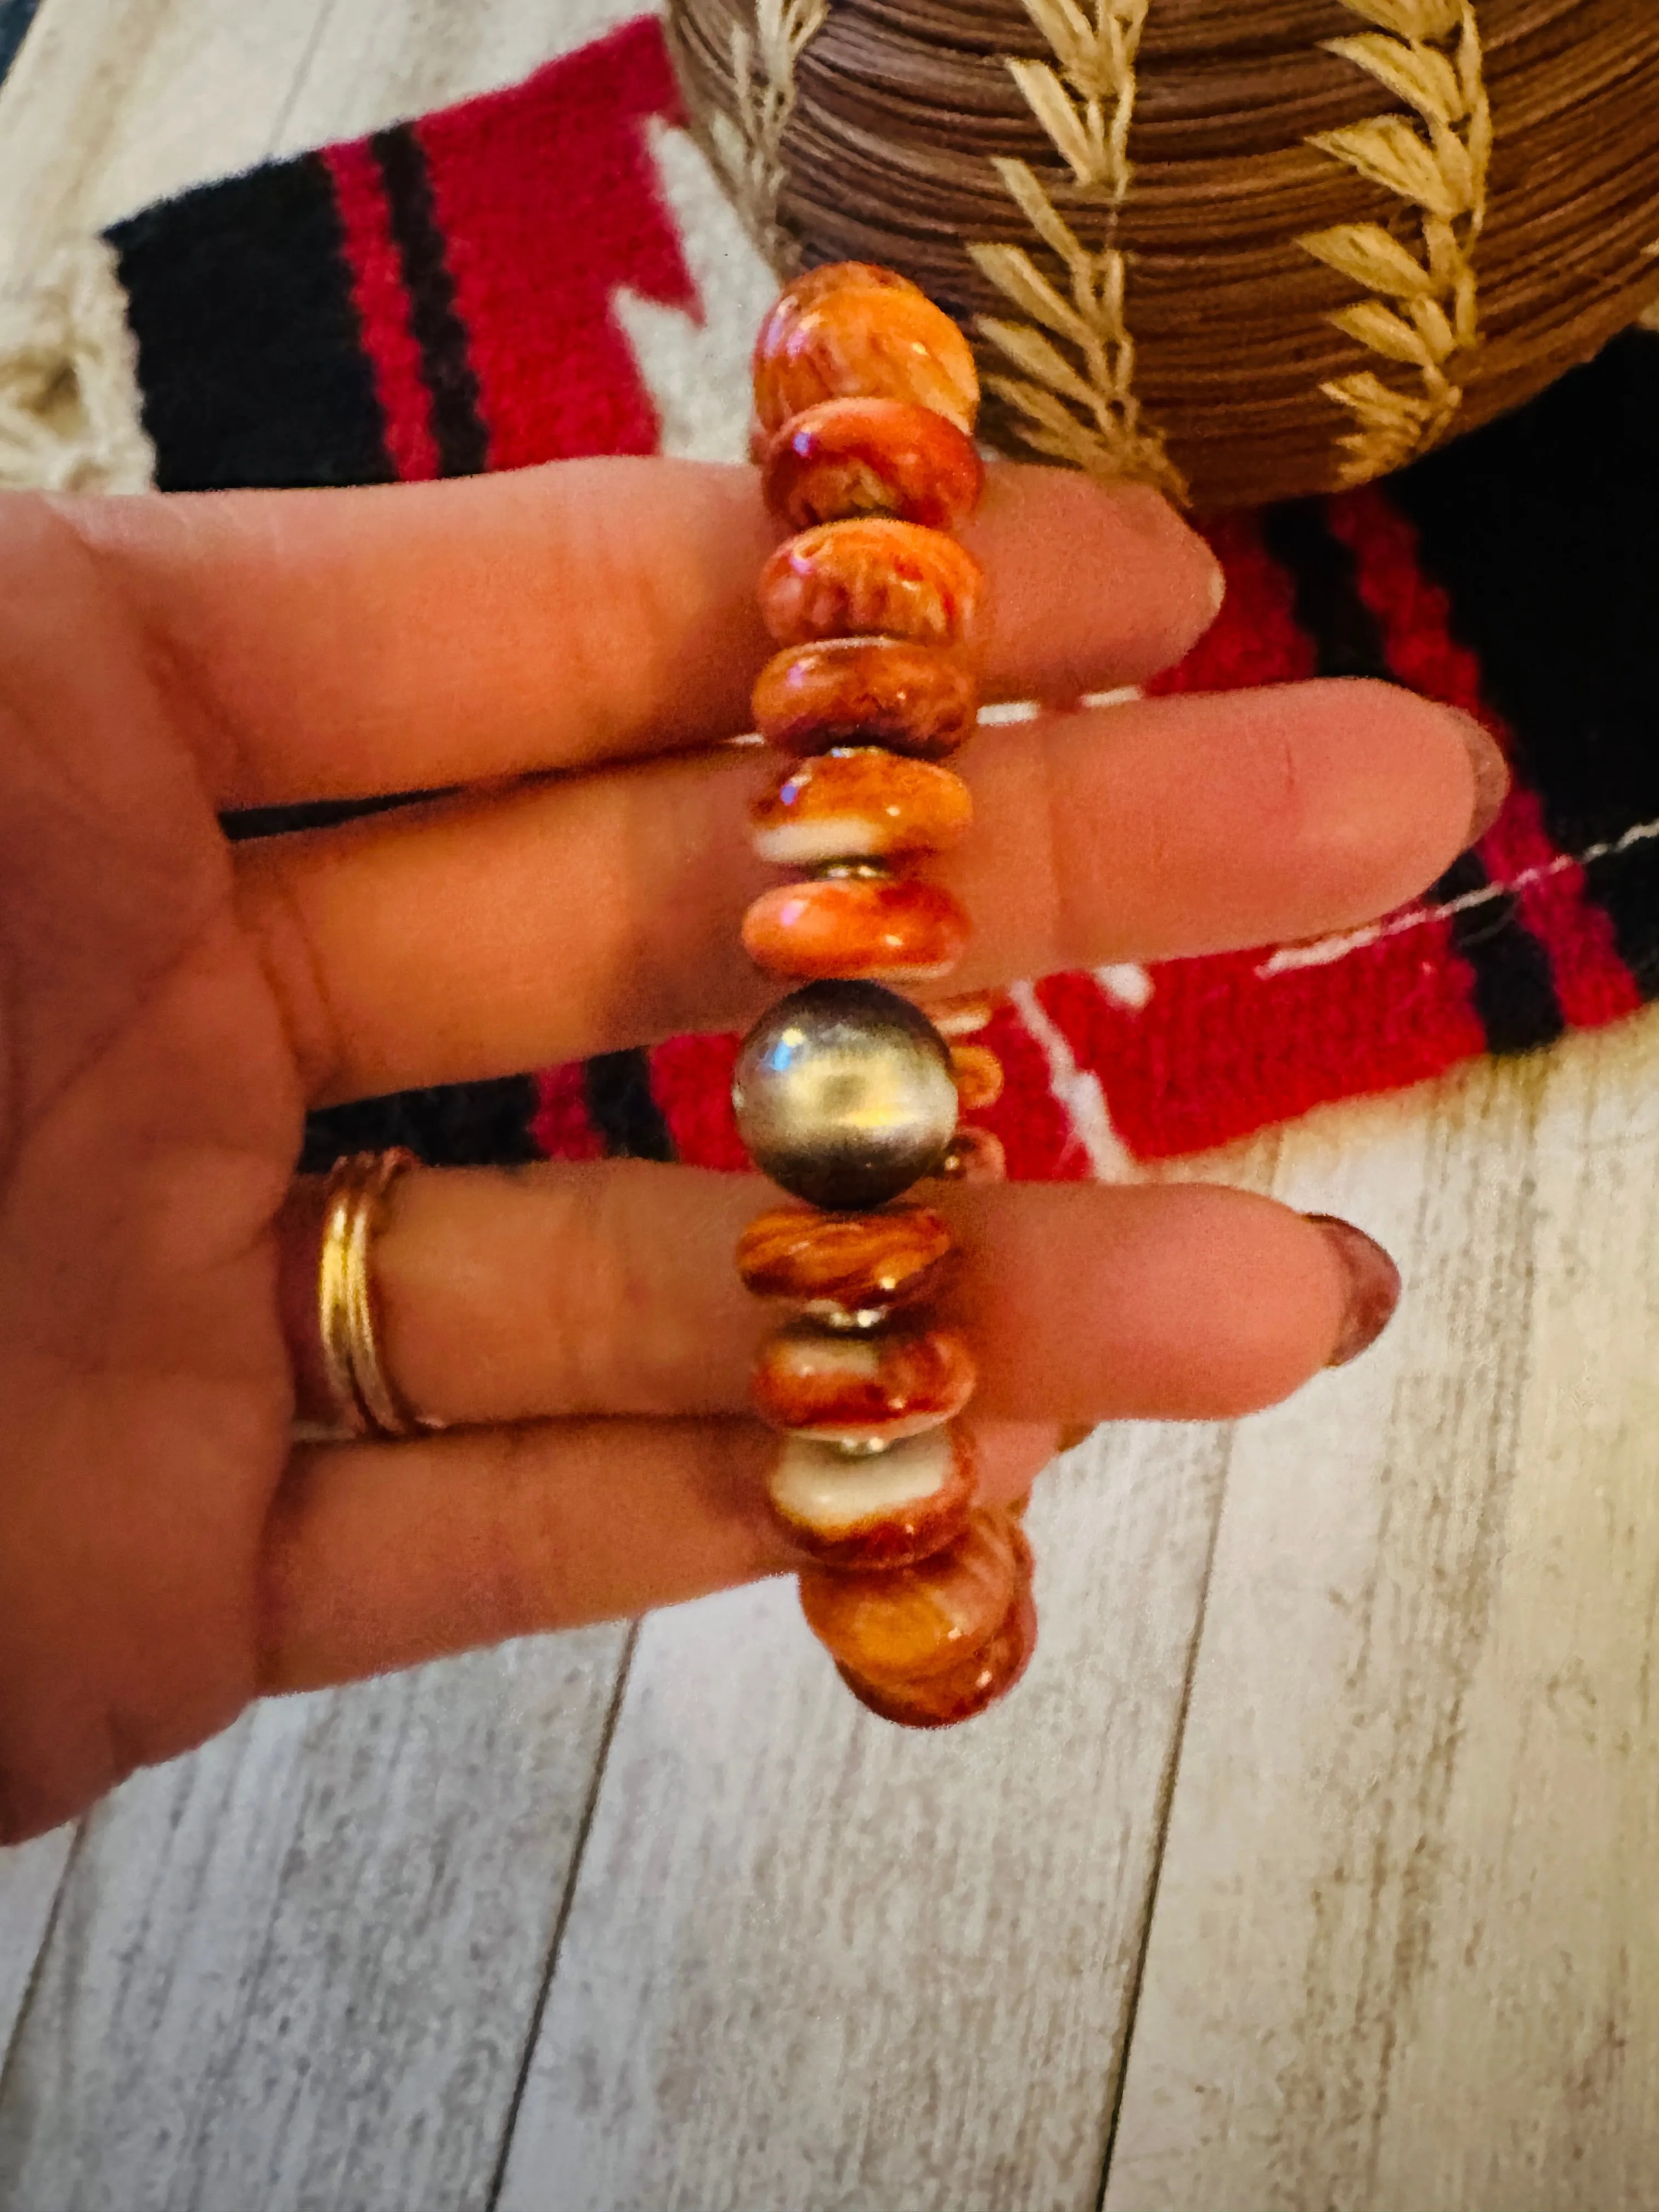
(1491, 773)
(1218, 587)
(1373, 1287)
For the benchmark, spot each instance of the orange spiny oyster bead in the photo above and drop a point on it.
(851, 579)
(965, 1015)
(864, 929)
(865, 1386)
(853, 332)
(852, 1262)
(968, 1688)
(923, 1621)
(978, 1072)
(847, 457)
(888, 1510)
(975, 1156)
(860, 802)
(888, 691)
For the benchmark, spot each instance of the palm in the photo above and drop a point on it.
(152, 1117)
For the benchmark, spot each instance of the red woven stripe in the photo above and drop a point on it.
(548, 197)
(382, 305)
(691, 1083)
(1592, 983)
(563, 1127)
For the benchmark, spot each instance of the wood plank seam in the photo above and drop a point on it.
(584, 1829)
(1165, 1808)
(37, 1963)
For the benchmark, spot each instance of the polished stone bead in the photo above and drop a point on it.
(979, 1076)
(849, 457)
(873, 929)
(965, 1015)
(974, 1155)
(875, 1387)
(860, 802)
(883, 1510)
(851, 331)
(974, 1684)
(846, 1264)
(922, 1621)
(844, 1096)
(888, 691)
(872, 577)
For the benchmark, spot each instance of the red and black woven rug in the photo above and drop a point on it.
(441, 298)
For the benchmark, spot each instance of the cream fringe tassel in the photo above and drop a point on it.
(68, 388)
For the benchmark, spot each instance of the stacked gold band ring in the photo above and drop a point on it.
(348, 1315)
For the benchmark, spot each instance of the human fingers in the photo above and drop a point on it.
(609, 1291)
(379, 1556)
(341, 643)
(482, 936)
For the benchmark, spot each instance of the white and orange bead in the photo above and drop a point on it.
(858, 803)
(885, 1509)
(862, 1386)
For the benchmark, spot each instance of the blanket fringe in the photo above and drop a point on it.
(70, 417)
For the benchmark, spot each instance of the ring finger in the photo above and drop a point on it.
(607, 1290)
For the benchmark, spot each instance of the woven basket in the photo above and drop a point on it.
(1245, 251)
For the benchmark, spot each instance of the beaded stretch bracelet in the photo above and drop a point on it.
(847, 1094)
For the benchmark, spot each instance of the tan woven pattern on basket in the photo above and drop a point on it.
(1242, 251)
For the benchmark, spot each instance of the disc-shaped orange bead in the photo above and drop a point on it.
(888, 691)
(858, 803)
(861, 1387)
(922, 1620)
(865, 930)
(978, 1072)
(975, 1156)
(971, 1686)
(849, 456)
(851, 579)
(856, 1262)
(852, 332)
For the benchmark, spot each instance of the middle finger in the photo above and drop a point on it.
(478, 937)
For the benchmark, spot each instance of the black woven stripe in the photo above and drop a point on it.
(249, 357)
(617, 1087)
(1544, 529)
(457, 428)
(462, 1125)
(1514, 990)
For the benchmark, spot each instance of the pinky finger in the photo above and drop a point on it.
(382, 1556)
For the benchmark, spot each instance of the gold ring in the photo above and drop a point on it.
(353, 1210)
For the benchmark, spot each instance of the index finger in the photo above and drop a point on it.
(346, 643)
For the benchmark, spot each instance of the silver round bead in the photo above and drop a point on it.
(844, 1095)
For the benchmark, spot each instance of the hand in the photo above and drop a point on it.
(566, 647)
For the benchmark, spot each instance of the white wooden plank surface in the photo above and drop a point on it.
(815, 1961)
(29, 1880)
(1404, 1950)
(301, 1967)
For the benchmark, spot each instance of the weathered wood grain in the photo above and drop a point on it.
(29, 1880)
(301, 1967)
(816, 1961)
(1404, 1949)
